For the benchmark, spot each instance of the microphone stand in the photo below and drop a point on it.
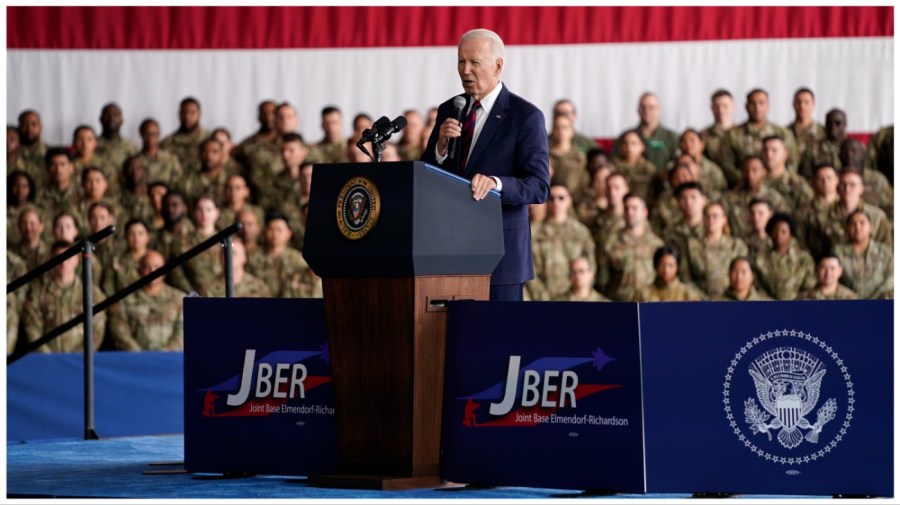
(378, 148)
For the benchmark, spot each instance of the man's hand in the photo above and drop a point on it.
(451, 128)
(481, 184)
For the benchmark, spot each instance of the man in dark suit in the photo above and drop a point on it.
(501, 144)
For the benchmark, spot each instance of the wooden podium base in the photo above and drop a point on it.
(384, 483)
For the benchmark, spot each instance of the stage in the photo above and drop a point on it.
(131, 467)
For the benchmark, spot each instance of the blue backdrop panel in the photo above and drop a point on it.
(135, 394)
(776, 397)
(257, 389)
(584, 436)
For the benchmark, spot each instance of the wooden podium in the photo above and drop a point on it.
(393, 243)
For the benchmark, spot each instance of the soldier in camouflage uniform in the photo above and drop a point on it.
(161, 165)
(828, 229)
(136, 203)
(590, 201)
(333, 147)
(881, 151)
(661, 143)
(20, 195)
(666, 286)
(708, 257)
(211, 178)
(410, 145)
(15, 268)
(84, 142)
(785, 269)
(63, 193)
(13, 162)
(868, 265)
(825, 195)
(31, 247)
(237, 195)
(611, 220)
(567, 160)
(32, 150)
(203, 271)
(826, 150)
(710, 174)
(737, 201)
(757, 239)
(266, 133)
(111, 146)
(94, 184)
(581, 279)
(878, 190)
(278, 265)
(640, 171)
(828, 272)
(746, 139)
(665, 213)
(152, 318)
(245, 285)
(251, 232)
(689, 225)
(184, 143)
(286, 186)
(793, 187)
(624, 262)
(57, 300)
(715, 135)
(740, 283)
(123, 267)
(177, 230)
(558, 240)
(565, 107)
(806, 131)
(101, 216)
(231, 165)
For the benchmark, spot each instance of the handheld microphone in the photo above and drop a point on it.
(459, 107)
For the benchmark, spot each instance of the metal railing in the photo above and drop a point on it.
(90, 310)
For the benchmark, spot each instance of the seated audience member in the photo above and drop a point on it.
(20, 194)
(135, 199)
(661, 143)
(715, 137)
(710, 175)
(203, 271)
(185, 141)
(31, 247)
(62, 193)
(805, 129)
(123, 269)
(760, 213)
(157, 192)
(746, 138)
(15, 268)
(708, 257)
(332, 147)
(624, 262)
(581, 283)
(111, 145)
(55, 301)
(100, 216)
(65, 228)
(278, 263)
(825, 183)
(246, 285)
(84, 144)
(94, 191)
(591, 201)
(667, 287)
(828, 273)
(161, 165)
(567, 159)
(31, 149)
(785, 269)
(737, 201)
(231, 165)
(410, 144)
(741, 282)
(868, 266)
(237, 198)
(152, 318)
(639, 170)
(792, 186)
(878, 190)
(565, 107)
(211, 176)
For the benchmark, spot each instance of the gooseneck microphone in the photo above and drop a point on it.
(459, 107)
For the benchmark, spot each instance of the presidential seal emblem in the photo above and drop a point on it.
(358, 207)
(791, 385)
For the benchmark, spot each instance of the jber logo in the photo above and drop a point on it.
(276, 383)
(544, 391)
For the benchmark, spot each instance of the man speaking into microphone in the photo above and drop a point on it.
(498, 141)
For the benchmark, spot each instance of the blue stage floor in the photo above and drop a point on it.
(114, 468)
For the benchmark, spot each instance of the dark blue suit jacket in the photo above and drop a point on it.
(512, 146)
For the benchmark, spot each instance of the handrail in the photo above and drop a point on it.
(127, 290)
(53, 262)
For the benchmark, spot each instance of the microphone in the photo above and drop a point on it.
(459, 106)
(372, 134)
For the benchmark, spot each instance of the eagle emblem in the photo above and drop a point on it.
(788, 382)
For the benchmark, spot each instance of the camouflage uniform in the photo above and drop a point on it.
(50, 305)
(409, 153)
(33, 257)
(594, 296)
(737, 205)
(842, 293)
(554, 246)
(201, 182)
(122, 272)
(711, 177)
(744, 140)
(625, 264)
(280, 190)
(821, 152)
(116, 151)
(641, 177)
(33, 164)
(665, 212)
(659, 148)
(583, 143)
(12, 224)
(326, 152)
(569, 168)
(881, 151)
(715, 138)
(808, 220)
(169, 244)
(203, 271)
(186, 147)
(828, 229)
(708, 264)
(678, 237)
(677, 291)
(587, 209)
(249, 287)
(54, 202)
(110, 171)
(303, 283)
(262, 157)
(143, 322)
(755, 243)
(753, 296)
(228, 216)
(607, 225)
(870, 274)
(796, 191)
(15, 268)
(81, 213)
(164, 167)
(281, 272)
(783, 276)
(878, 191)
(806, 138)
(136, 207)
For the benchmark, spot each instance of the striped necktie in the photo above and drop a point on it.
(468, 131)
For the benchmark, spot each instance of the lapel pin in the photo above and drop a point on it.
(498, 116)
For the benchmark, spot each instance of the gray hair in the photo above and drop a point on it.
(483, 33)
